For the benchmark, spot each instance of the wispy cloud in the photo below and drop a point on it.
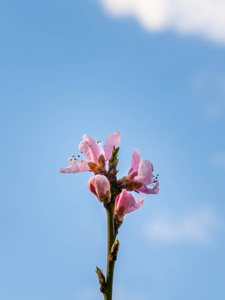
(197, 226)
(209, 86)
(218, 159)
(199, 17)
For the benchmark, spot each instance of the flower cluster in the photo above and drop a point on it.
(140, 178)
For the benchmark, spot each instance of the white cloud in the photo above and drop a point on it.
(201, 17)
(218, 159)
(197, 226)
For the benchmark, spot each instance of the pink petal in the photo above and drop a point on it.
(76, 166)
(145, 170)
(135, 161)
(144, 189)
(124, 201)
(112, 139)
(99, 185)
(91, 187)
(90, 148)
(139, 202)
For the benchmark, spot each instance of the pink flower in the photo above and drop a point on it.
(142, 171)
(125, 203)
(100, 186)
(92, 151)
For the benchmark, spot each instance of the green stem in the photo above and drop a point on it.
(111, 240)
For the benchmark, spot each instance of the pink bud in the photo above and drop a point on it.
(125, 203)
(100, 186)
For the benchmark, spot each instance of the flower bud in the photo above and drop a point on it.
(100, 186)
(114, 250)
(101, 279)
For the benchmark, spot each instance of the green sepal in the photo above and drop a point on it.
(114, 157)
(97, 269)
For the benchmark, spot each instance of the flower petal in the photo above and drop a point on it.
(139, 202)
(90, 148)
(112, 139)
(144, 189)
(76, 166)
(135, 161)
(124, 201)
(145, 170)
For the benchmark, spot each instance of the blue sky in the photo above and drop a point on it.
(74, 67)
